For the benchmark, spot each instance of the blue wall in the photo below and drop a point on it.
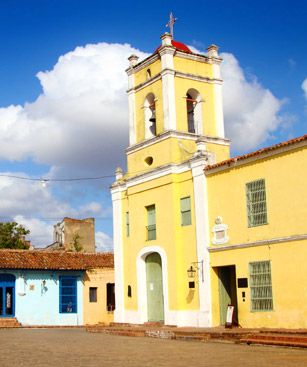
(37, 302)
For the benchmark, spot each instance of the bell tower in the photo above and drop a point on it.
(160, 213)
(174, 95)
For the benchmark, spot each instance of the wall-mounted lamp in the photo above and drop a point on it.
(198, 266)
(191, 272)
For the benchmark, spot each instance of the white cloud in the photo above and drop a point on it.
(251, 111)
(103, 242)
(36, 207)
(41, 232)
(79, 124)
(304, 87)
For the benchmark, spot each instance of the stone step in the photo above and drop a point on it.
(281, 337)
(285, 342)
(9, 322)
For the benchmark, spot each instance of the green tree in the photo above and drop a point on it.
(12, 235)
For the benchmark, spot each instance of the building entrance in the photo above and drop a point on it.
(154, 285)
(227, 292)
(7, 295)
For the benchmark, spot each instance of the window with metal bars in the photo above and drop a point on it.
(256, 203)
(261, 286)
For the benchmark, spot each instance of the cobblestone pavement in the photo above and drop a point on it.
(76, 347)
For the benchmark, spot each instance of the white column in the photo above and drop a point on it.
(168, 87)
(131, 106)
(217, 90)
(119, 314)
(202, 239)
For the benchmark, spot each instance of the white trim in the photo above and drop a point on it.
(169, 105)
(177, 134)
(198, 78)
(202, 238)
(218, 109)
(271, 241)
(141, 282)
(119, 315)
(131, 104)
(157, 173)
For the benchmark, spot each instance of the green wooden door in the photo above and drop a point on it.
(154, 285)
(224, 292)
(227, 292)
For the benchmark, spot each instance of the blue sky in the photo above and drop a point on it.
(55, 114)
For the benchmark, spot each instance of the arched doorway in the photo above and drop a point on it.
(7, 295)
(154, 285)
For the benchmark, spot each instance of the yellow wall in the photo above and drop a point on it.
(96, 312)
(193, 67)
(289, 284)
(177, 241)
(141, 75)
(170, 150)
(285, 180)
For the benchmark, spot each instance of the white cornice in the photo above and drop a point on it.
(158, 172)
(146, 62)
(270, 241)
(145, 84)
(198, 78)
(178, 135)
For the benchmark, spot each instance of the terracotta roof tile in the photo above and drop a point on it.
(54, 260)
(256, 153)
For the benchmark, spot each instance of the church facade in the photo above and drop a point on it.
(178, 227)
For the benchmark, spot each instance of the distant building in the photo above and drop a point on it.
(77, 235)
(56, 288)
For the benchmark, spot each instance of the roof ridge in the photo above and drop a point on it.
(257, 152)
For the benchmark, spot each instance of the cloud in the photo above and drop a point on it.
(41, 232)
(103, 242)
(251, 112)
(37, 207)
(79, 123)
(304, 87)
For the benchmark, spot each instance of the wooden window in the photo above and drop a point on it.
(68, 294)
(110, 296)
(185, 208)
(93, 294)
(127, 225)
(261, 286)
(151, 221)
(256, 203)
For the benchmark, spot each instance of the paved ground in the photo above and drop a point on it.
(75, 347)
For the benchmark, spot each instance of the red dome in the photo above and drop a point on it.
(179, 46)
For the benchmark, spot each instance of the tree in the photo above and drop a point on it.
(12, 235)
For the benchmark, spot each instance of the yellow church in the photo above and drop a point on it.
(196, 231)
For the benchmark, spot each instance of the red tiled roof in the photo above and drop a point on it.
(179, 46)
(256, 153)
(40, 260)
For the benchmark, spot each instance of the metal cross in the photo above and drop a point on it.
(170, 24)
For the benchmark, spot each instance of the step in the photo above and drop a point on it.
(280, 337)
(7, 322)
(284, 343)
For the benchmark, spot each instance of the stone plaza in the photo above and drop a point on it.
(75, 347)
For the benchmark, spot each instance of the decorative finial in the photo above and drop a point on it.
(170, 24)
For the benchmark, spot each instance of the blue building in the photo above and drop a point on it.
(46, 288)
